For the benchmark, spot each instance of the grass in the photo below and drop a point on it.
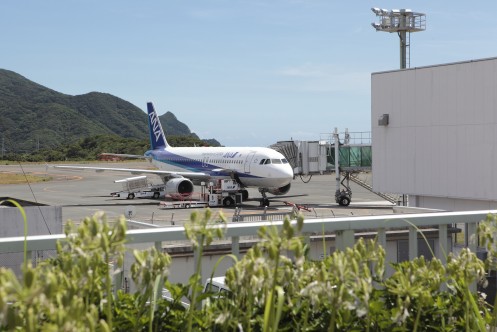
(12, 178)
(18, 178)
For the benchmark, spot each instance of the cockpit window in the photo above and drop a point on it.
(273, 161)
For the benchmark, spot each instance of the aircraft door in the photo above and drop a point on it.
(248, 161)
(205, 161)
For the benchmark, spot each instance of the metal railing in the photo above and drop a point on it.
(256, 217)
(344, 229)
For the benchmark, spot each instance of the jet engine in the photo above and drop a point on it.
(179, 188)
(280, 191)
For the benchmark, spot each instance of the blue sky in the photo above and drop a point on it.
(246, 72)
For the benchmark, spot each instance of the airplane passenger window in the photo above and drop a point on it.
(276, 161)
(262, 162)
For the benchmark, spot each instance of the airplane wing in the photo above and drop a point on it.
(163, 174)
(123, 155)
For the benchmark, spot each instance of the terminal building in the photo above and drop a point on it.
(434, 135)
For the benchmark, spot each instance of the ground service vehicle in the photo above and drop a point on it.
(139, 187)
(215, 286)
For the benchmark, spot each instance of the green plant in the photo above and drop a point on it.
(201, 232)
(274, 287)
(487, 233)
(77, 283)
(348, 290)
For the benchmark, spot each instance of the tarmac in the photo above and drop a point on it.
(82, 193)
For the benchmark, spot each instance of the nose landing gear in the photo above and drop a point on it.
(264, 200)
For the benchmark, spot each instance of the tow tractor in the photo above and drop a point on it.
(225, 192)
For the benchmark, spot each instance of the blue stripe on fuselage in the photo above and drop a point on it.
(192, 165)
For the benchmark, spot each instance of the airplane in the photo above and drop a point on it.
(183, 167)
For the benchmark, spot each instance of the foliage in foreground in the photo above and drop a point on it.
(274, 287)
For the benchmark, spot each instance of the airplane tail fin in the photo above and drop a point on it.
(157, 136)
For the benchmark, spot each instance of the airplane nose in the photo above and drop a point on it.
(287, 172)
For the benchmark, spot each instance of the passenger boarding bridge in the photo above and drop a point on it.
(345, 154)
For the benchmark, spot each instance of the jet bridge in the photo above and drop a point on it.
(345, 154)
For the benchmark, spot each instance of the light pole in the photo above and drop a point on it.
(402, 21)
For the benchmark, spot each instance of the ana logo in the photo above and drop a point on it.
(230, 154)
(154, 120)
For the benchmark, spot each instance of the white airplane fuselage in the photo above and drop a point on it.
(254, 167)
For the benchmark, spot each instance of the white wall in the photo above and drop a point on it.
(183, 267)
(442, 132)
(41, 220)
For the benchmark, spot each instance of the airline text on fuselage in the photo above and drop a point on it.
(230, 154)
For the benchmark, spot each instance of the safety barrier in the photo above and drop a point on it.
(343, 228)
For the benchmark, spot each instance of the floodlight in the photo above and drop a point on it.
(401, 21)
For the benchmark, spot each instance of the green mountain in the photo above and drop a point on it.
(172, 126)
(35, 117)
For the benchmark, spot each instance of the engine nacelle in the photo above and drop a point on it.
(281, 190)
(179, 188)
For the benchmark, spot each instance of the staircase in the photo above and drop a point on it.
(388, 197)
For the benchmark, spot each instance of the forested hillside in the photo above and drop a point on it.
(91, 148)
(33, 117)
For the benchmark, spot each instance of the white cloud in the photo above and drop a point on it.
(306, 70)
(325, 78)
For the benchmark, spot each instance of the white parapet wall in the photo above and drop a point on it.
(41, 220)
